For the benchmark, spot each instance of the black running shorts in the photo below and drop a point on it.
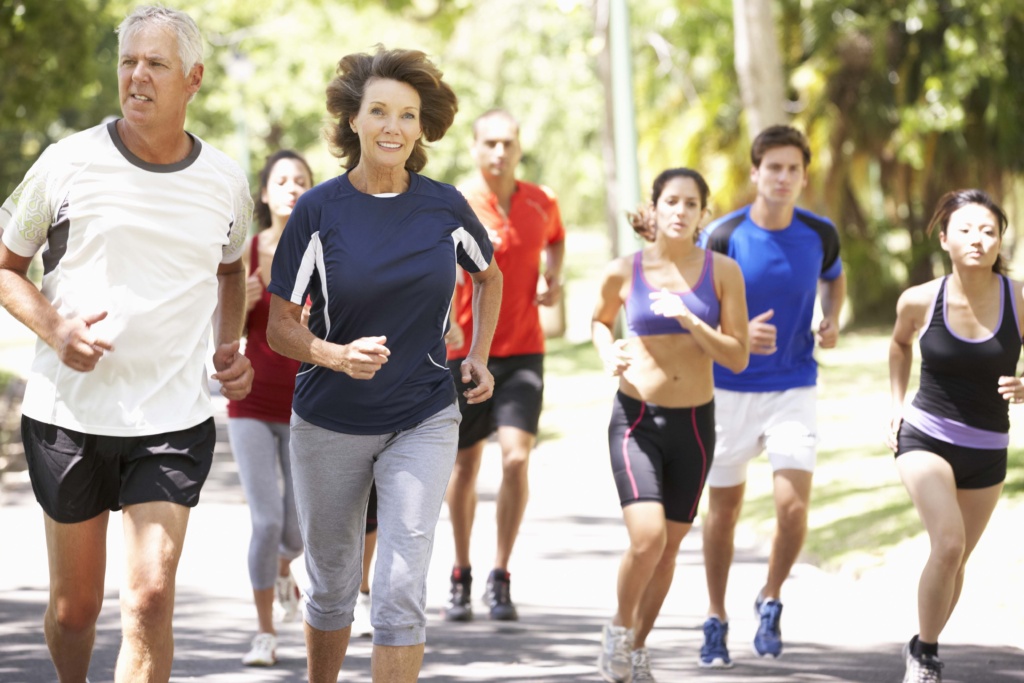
(518, 396)
(77, 476)
(973, 468)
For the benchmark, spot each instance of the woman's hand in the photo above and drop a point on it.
(669, 305)
(1011, 389)
(362, 358)
(617, 358)
(894, 430)
(475, 371)
(253, 290)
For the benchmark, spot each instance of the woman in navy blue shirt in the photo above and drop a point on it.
(375, 249)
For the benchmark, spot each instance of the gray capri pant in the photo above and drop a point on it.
(333, 473)
(261, 453)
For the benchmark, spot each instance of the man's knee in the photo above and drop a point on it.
(148, 604)
(75, 613)
(515, 462)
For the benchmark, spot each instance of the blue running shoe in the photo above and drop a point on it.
(714, 653)
(768, 640)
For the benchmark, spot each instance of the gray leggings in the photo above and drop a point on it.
(261, 452)
(333, 475)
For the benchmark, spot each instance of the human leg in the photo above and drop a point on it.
(411, 473)
(976, 508)
(154, 534)
(718, 534)
(462, 499)
(77, 558)
(255, 450)
(516, 446)
(396, 664)
(653, 595)
(332, 475)
(792, 493)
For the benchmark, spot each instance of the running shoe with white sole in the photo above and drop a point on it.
(615, 663)
(263, 651)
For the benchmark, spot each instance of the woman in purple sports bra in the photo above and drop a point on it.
(951, 440)
(685, 310)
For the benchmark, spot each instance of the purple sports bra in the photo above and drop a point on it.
(701, 300)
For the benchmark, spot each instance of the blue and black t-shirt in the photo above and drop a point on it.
(378, 265)
(781, 269)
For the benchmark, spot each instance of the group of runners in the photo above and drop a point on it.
(349, 427)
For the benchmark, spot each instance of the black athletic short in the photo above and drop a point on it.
(77, 476)
(973, 468)
(661, 454)
(518, 396)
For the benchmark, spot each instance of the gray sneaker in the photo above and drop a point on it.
(923, 669)
(642, 666)
(615, 663)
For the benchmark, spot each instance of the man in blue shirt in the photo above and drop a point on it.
(787, 255)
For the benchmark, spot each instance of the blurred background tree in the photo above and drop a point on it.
(901, 102)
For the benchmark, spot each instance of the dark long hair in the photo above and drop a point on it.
(261, 211)
(642, 220)
(951, 202)
(438, 102)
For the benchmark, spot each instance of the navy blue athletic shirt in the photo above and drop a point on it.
(378, 265)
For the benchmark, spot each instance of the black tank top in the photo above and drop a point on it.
(960, 377)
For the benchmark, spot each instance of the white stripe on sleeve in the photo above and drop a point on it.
(470, 246)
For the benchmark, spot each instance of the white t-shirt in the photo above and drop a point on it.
(142, 242)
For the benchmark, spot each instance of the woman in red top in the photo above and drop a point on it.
(258, 424)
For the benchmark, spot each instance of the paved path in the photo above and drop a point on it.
(836, 628)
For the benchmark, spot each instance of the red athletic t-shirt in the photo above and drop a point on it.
(532, 224)
(274, 375)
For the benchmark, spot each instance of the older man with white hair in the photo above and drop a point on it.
(141, 225)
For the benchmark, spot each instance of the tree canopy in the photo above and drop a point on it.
(900, 102)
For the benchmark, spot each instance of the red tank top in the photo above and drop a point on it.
(274, 381)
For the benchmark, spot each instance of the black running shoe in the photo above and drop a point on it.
(499, 597)
(459, 607)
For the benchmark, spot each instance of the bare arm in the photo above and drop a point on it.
(360, 359)
(728, 345)
(554, 256)
(234, 372)
(72, 339)
(910, 313)
(833, 295)
(487, 285)
(613, 353)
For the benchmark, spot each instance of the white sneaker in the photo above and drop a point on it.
(263, 652)
(615, 663)
(288, 597)
(361, 626)
(642, 666)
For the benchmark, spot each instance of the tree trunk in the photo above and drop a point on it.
(758, 64)
(602, 12)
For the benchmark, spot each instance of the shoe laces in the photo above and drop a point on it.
(927, 669)
(641, 660)
(501, 592)
(714, 635)
(771, 613)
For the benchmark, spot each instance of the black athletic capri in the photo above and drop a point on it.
(661, 454)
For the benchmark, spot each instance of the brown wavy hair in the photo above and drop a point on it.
(438, 102)
(950, 202)
(642, 220)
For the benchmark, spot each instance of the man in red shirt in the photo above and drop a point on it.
(523, 221)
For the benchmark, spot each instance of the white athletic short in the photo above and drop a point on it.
(783, 423)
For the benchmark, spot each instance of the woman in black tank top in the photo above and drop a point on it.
(951, 442)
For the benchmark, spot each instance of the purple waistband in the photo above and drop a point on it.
(954, 432)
